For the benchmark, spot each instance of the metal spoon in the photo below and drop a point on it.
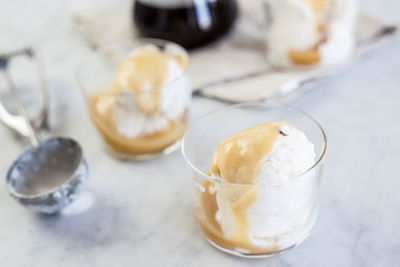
(49, 175)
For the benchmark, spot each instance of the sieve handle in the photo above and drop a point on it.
(21, 122)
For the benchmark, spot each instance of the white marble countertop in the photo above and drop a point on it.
(141, 215)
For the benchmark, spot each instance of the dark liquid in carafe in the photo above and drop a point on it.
(190, 25)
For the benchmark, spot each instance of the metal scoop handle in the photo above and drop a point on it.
(21, 123)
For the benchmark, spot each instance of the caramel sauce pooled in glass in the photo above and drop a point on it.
(311, 56)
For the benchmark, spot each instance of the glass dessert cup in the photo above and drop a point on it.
(307, 35)
(291, 205)
(136, 124)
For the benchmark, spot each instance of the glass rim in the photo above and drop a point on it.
(137, 42)
(318, 161)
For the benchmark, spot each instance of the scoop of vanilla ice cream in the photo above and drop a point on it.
(340, 31)
(284, 199)
(294, 26)
(175, 94)
(174, 99)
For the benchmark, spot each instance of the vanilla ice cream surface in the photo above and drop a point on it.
(273, 194)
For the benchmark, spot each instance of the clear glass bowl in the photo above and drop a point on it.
(135, 125)
(293, 44)
(292, 204)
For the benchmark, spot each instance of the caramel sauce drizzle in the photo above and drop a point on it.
(237, 160)
(144, 73)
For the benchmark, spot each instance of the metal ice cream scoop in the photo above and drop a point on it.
(49, 175)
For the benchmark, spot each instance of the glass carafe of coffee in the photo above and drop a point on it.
(189, 23)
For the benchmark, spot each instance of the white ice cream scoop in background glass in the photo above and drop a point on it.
(49, 175)
(307, 34)
(137, 122)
